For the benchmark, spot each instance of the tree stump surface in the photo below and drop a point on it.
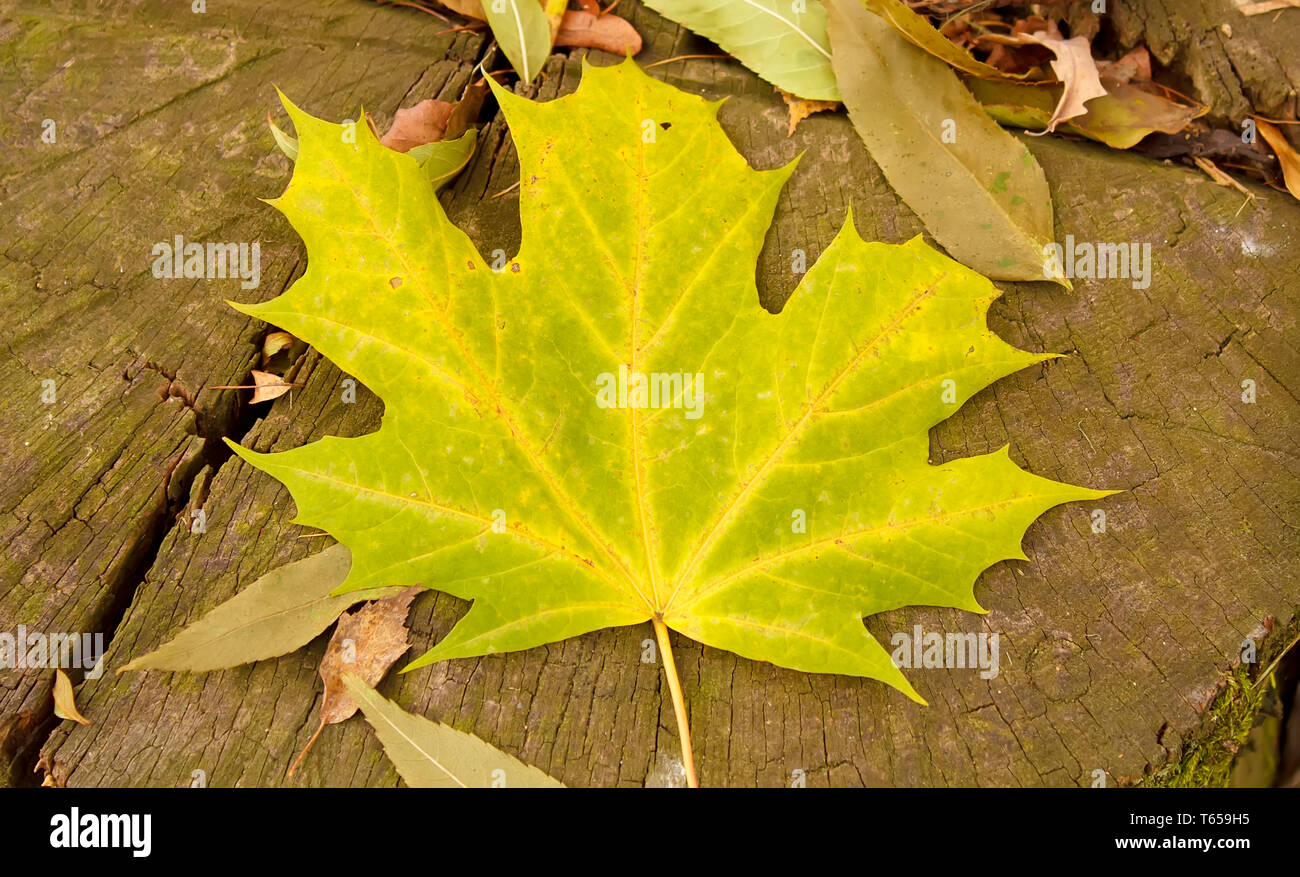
(1114, 644)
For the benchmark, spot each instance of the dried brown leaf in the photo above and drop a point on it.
(65, 699)
(801, 108)
(1268, 6)
(606, 32)
(268, 386)
(274, 343)
(365, 643)
(465, 112)
(1286, 154)
(1135, 66)
(1075, 68)
(415, 126)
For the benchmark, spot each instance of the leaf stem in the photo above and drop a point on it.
(679, 702)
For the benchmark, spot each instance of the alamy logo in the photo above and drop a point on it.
(23, 649)
(655, 390)
(953, 651)
(1100, 260)
(214, 261)
(76, 830)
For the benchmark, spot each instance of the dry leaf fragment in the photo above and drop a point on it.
(274, 343)
(606, 32)
(265, 387)
(415, 126)
(801, 108)
(464, 114)
(1268, 6)
(65, 699)
(1286, 154)
(1212, 170)
(1075, 68)
(1133, 67)
(365, 643)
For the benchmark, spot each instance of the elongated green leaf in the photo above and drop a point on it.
(443, 160)
(431, 755)
(522, 31)
(977, 189)
(288, 145)
(280, 612)
(1120, 118)
(782, 41)
(769, 492)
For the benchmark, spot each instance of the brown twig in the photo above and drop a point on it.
(414, 6)
(682, 58)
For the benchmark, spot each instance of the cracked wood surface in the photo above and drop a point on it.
(1113, 644)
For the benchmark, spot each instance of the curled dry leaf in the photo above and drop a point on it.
(1268, 6)
(415, 126)
(265, 387)
(801, 108)
(1286, 155)
(65, 699)
(274, 343)
(1077, 71)
(365, 643)
(465, 113)
(608, 33)
(1133, 67)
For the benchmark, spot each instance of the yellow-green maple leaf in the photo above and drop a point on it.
(496, 475)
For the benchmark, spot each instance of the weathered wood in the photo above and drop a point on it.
(157, 133)
(1113, 643)
(1237, 64)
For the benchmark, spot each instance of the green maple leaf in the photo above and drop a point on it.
(765, 513)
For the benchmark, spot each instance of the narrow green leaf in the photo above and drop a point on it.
(288, 145)
(522, 31)
(782, 41)
(978, 190)
(443, 160)
(280, 612)
(431, 755)
(1119, 118)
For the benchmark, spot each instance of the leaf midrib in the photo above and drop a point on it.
(794, 429)
(496, 399)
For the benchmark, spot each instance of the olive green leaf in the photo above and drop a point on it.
(610, 429)
(1119, 118)
(431, 755)
(782, 41)
(521, 29)
(280, 612)
(978, 190)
